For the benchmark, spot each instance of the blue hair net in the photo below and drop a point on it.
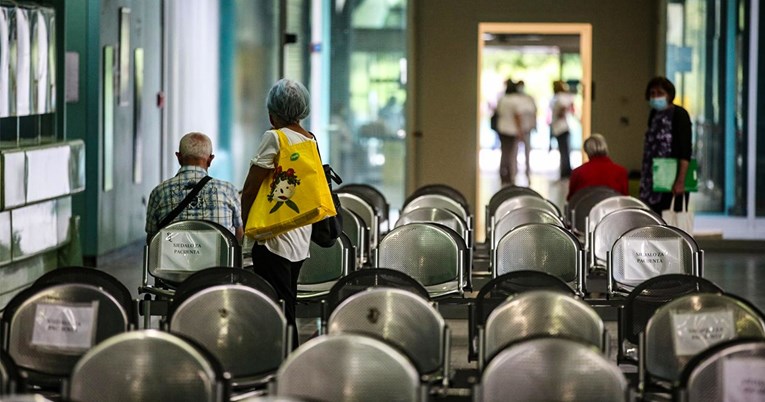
(289, 100)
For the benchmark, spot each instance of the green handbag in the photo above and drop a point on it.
(665, 171)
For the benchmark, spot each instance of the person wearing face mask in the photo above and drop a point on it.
(668, 136)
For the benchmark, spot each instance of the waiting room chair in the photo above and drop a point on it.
(325, 267)
(243, 328)
(611, 204)
(349, 368)
(649, 251)
(371, 195)
(358, 232)
(441, 202)
(535, 313)
(496, 291)
(148, 365)
(522, 216)
(366, 211)
(551, 369)
(402, 319)
(440, 216)
(731, 370)
(443, 189)
(643, 301)
(541, 247)
(432, 254)
(581, 203)
(612, 227)
(184, 247)
(215, 276)
(687, 326)
(47, 327)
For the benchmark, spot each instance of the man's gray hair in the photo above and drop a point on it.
(196, 145)
(289, 101)
(595, 146)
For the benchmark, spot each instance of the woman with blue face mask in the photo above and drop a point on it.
(668, 136)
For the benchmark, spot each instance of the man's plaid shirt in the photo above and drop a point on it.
(218, 201)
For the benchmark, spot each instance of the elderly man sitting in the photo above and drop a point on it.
(599, 171)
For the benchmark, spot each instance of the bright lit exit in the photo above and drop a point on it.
(538, 55)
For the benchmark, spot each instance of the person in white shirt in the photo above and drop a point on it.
(516, 118)
(280, 258)
(561, 106)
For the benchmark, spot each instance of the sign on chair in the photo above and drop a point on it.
(744, 379)
(647, 258)
(694, 331)
(65, 326)
(188, 250)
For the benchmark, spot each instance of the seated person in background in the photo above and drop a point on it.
(218, 201)
(599, 170)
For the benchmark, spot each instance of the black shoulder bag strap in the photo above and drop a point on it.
(186, 201)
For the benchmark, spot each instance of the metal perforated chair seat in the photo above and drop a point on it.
(552, 369)
(432, 254)
(524, 201)
(582, 202)
(499, 197)
(540, 247)
(611, 204)
(729, 370)
(643, 301)
(443, 189)
(346, 368)
(366, 212)
(184, 247)
(690, 324)
(223, 276)
(441, 202)
(371, 195)
(402, 319)
(540, 313)
(522, 216)
(613, 226)
(243, 328)
(649, 251)
(440, 216)
(147, 365)
(48, 327)
(325, 267)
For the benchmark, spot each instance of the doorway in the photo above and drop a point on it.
(537, 54)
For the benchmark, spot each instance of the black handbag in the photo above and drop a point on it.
(325, 232)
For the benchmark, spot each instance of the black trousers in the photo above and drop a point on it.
(282, 274)
(565, 154)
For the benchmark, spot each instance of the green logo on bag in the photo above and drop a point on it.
(294, 156)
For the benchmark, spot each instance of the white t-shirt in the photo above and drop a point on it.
(516, 104)
(560, 105)
(293, 245)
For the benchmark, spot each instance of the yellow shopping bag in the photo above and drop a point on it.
(294, 195)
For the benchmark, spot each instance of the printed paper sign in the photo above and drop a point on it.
(696, 331)
(744, 379)
(647, 258)
(188, 250)
(65, 326)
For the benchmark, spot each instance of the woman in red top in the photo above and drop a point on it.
(599, 171)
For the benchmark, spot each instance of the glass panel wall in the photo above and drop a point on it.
(707, 61)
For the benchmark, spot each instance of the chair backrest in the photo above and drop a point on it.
(648, 251)
(95, 277)
(184, 247)
(440, 216)
(643, 301)
(348, 367)
(432, 254)
(731, 370)
(443, 189)
(363, 279)
(689, 324)
(552, 369)
(505, 193)
(523, 201)
(610, 204)
(614, 225)
(540, 247)
(371, 195)
(48, 327)
(541, 312)
(358, 232)
(400, 318)
(147, 365)
(364, 210)
(438, 201)
(222, 276)
(519, 217)
(325, 267)
(243, 328)
(497, 290)
(580, 205)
